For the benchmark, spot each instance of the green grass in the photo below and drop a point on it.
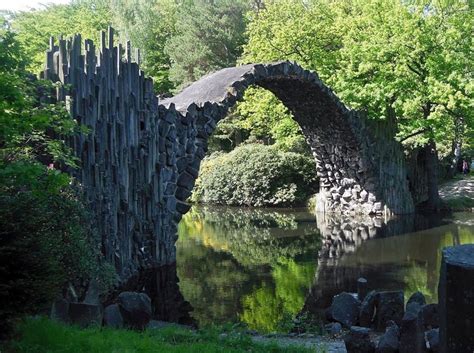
(38, 335)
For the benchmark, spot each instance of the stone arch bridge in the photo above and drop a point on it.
(141, 156)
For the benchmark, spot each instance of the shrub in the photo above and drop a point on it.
(45, 242)
(256, 175)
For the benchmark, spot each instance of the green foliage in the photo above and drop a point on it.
(45, 240)
(264, 116)
(34, 28)
(41, 335)
(209, 36)
(27, 118)
(255, 175)
(148, 24)
(391, 59)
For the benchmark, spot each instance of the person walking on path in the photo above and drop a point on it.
(465, 167)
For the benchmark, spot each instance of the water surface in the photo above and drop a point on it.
(264, 266)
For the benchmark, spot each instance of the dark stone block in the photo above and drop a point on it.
(429, 316)
(60, 310)
(456, 300)
(432, 340)
(113, 316)
(85, 315)
(389, 306)
(357, 340)
(182, 194)
(389, 342)
(417, 297)
(411, 332)
(182, 207)
(367, 309)
(92, 294)
(345, 309)
(186, 180)
(135, 309)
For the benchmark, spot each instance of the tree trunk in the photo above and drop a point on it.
(431, 155)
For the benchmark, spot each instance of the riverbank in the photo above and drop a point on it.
(45, 335)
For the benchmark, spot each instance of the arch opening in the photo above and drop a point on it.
(359, 172)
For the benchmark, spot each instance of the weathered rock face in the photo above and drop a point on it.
(456, 300)
(141, 158)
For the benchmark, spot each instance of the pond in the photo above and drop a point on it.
(263, 267)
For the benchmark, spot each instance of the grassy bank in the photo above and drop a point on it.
(43, 335)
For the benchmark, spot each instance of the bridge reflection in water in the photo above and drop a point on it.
(265, 266)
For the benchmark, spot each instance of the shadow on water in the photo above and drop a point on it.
(263, 267)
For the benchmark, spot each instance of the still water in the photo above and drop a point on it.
(263, 267)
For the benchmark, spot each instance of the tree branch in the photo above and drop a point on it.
(415, 133)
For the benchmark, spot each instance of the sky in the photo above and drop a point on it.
(15, 5)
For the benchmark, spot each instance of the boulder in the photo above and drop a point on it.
(429, 316)
(411, 332)
(333, 328)
(367, 309)
(85, 315)
(345, 309)
(389, 306)
(417, 297)
(388, 343)
(60, 310)
(432, 340)
(113, 316)
(135, 309)
(357, 340)
(456, 299)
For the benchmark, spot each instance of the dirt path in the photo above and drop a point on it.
(458, 188)
(317, 343)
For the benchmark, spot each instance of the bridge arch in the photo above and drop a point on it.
(360, 172)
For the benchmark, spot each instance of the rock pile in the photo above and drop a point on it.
(132, 310)
(413, 328)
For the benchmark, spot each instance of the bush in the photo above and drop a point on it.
(45, 242)
(45, 239)
(256, 175)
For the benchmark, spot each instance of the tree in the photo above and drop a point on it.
(148, 24)
(209, 36)
(33, 28)
(390, 59)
